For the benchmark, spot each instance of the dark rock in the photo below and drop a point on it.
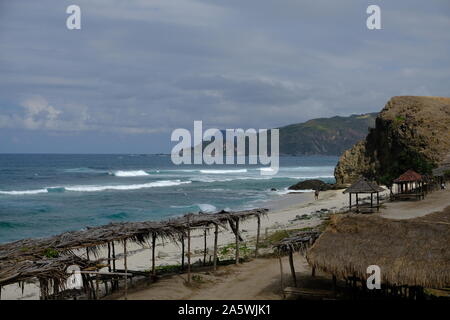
(314, 184)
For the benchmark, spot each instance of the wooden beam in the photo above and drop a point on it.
(109, 257)
(204, 247)
(189, 249)
(258, 231)
(153, 254)
(182, 253)
(114, 256)
(281, 274)
(237, 241)
(125, 266)
(291, 263)
(216, 235)
(350, 200)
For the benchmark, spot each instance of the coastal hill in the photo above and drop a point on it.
(410, 132)
(321, 136)
(325, 136)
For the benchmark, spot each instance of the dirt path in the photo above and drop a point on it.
(433, 202)
(258, 279)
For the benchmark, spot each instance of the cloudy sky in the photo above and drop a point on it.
(140, 68)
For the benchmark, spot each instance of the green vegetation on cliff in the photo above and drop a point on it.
(325, 136)
(410, 133)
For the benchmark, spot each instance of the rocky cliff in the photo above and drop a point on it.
(410, 132)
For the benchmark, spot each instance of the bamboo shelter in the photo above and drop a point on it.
(48, 258)
(364, 186)
(412, 254)
(298, 242)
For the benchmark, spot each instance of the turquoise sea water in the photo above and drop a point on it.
(46, 194)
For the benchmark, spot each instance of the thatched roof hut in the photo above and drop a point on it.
(412, 252)
(48, 258)
(364, 186)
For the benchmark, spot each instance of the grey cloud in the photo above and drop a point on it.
(138, 69)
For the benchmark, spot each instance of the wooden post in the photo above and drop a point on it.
(350, 201)
(257, 236)
(281, 275)
(237, 241)
(189, 249)
(378, 201)
(216, 235)
(313, 272)
(126, 267)
(371, 201)
(109, 257)
(204, 247)
(114, 256)
(97, 289)
(182, 253)
(87, 253)
(291, 263)
(357, 203)
(153, 254)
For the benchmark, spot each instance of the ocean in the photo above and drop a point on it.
(46, 194)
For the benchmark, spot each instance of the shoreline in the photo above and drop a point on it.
(288, 212)
(283, 214)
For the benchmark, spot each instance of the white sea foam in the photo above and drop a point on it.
(209, 171)
(94, 188)
(24, 192)
(131, 173)
(162, 183)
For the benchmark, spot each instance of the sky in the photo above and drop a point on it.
(138, 69)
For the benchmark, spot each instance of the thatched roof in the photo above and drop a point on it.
(29, 254)
(409, 176)
(363, 186)
(297, 242)
(413, 252)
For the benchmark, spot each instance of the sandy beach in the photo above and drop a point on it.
(256, 279)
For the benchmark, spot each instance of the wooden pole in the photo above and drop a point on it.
(291, 263)
(204, 247)
(350, 201)
(281, 275)
(189, 249)
(126, 267)
(182, 253)
(237, 241)
(378, 201)
(109, 257)
(216, 235)
(97, 289)
(114, 256)
(87, 253)
(257, 236)
(153, 254)
(371, 201)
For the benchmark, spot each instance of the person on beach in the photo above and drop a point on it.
(316, 194)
